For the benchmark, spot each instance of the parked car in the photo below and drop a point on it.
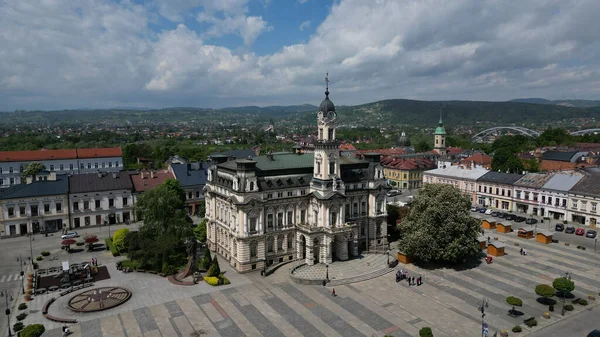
(482, 210)
(488, 211)
(509, 217)
(393, 193)
(519, 219)
(570, 230)
(70, 235)
(531, 221)
(559, 227)
(579, 231)
(494, 214)
(595, 333)
(501, 215)
(591, 234)
(474, 209)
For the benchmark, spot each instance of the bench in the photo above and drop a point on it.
(61, 320)
(47, 305)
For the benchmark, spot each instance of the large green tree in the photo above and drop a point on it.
(505, 160)
(439, 227)
(161, 240)
(33, 169)
(563, 286)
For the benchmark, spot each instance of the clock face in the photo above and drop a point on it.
(331, 115)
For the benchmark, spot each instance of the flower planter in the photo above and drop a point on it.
(566, 243)
(516, 243)
(591, 298)
(546, 315)
(27, 298)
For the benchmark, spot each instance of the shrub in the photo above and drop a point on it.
(169, 269)
(425, 332)
(517, 328)
(18, 326)
(206, 260)
(582, 302)
(225, 280)
(213, 281)
(214, 269)
(36, 265)
(33, 330)
(569, 307)
(120, 239)
(531, 322)
(21, 316)
(45, 253)
(39, 258)
(131, 264)
(111, 246)
(22, 306)
(514, 301)
(80, 243)
(545, 291)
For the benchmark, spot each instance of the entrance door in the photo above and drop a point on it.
(302, 247)
(12, 229)
(35, 226)
(593, 222)
(316, 250)
(112, 219)
(23, 228)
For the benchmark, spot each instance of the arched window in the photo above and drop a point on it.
(251, 186)
(280, 240)
(290, 241)
(253, 249)
(270, 244)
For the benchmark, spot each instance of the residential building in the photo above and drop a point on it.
(192, 177)
(307, 206)
(555, 195)
(585, 198)
(35, 206)
(406, 173)
(527, 193)
(463, 177)
(100, 198)
(478, 159)
(146, 180)
(73, 161)
(495, 189)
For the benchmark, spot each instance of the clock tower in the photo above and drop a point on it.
(327, 154)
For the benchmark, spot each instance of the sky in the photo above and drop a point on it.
(65, 54)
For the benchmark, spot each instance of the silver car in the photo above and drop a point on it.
(70, 235)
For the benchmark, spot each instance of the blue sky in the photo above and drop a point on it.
(212, 53)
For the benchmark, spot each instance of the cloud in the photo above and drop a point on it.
(302, 1)
(304, 25)
(102, 53)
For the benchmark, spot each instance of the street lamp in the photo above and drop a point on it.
(482, 305)
(327, 272)
(4, 293)
(20, 259)
(31, 238)
(562, 293)
(388, 257)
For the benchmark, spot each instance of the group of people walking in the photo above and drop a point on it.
(402, 275)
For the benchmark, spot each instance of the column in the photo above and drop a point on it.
(341, 247)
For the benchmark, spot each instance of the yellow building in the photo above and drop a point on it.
(406, 173)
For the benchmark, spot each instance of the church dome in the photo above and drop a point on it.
(326, 104)
(404, 140)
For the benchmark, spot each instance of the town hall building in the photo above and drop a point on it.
(316, 207)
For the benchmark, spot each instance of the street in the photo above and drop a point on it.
(576, 326)
(12, 249)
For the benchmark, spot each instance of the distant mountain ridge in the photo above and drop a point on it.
(273, 110)
(577, 103)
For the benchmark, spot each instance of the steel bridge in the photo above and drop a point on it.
(584, 132)
(524, 131)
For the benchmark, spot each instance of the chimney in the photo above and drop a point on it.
(270, 156)
(29, 180)
(142, 175)
(151, 174)
(99, 174)
(114, 175)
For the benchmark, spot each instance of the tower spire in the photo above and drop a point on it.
(441, 110)
(327, 85)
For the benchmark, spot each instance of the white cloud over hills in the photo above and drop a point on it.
(70, 54)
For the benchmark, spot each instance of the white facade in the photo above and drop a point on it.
(33, 215)
(98, 208)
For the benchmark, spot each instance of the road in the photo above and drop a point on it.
(11, 251)
(562, 237)
(576, 326)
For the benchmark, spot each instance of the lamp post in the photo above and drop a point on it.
(327, 272)
(482, 305)
(595, 242)
(388, 257)
(20, 259)
(568, 277)
(4, 293)
(31, 238)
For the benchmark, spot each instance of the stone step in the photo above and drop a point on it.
(360, 278)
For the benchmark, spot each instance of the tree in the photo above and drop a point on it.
(439, 227)
(425, 332)
(200, 231)
(422, 146)
(33, 330)
(214, 270)
(505, 160)
(175, 186)
(120, 239)
(545, 291)
(206, 259)
(514, 301)
(33, 169)
(563, 286)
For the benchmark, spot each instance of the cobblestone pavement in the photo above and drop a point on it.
(274, 306)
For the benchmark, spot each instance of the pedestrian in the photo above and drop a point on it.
(524, 251)
(521, 251)
(333, 292)
(413, 280)
(488, 239)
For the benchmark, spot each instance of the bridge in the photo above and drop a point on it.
(523, 131)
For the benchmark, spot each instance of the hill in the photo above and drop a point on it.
(576, 103)
(274, 110)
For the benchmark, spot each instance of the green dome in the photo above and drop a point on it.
(440, 130)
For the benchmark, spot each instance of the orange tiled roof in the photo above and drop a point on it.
(554, 165)
(384, 152)
(408, 164)
(148, 183)
(99, 152)
(347, 147)
(12, 156)
(479, 159)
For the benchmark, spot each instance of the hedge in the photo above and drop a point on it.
(18, 326)
(33, 330)
(21, 316)
(39, 258)
(45, 253)
(111, 246)
(214, 281)
(517, 328)
(22, 306)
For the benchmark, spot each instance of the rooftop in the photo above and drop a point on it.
(96, 182)
(559, 155)
(590, 183)
(147, 180)
(193, 174)
(459, 172)
(40, 155)
(238, 154)
(99, 152)
(563, 181)
(500, 177)
(535, 180)
(38, 188)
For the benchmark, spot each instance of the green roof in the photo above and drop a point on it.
(440, 130)
(288, 160)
